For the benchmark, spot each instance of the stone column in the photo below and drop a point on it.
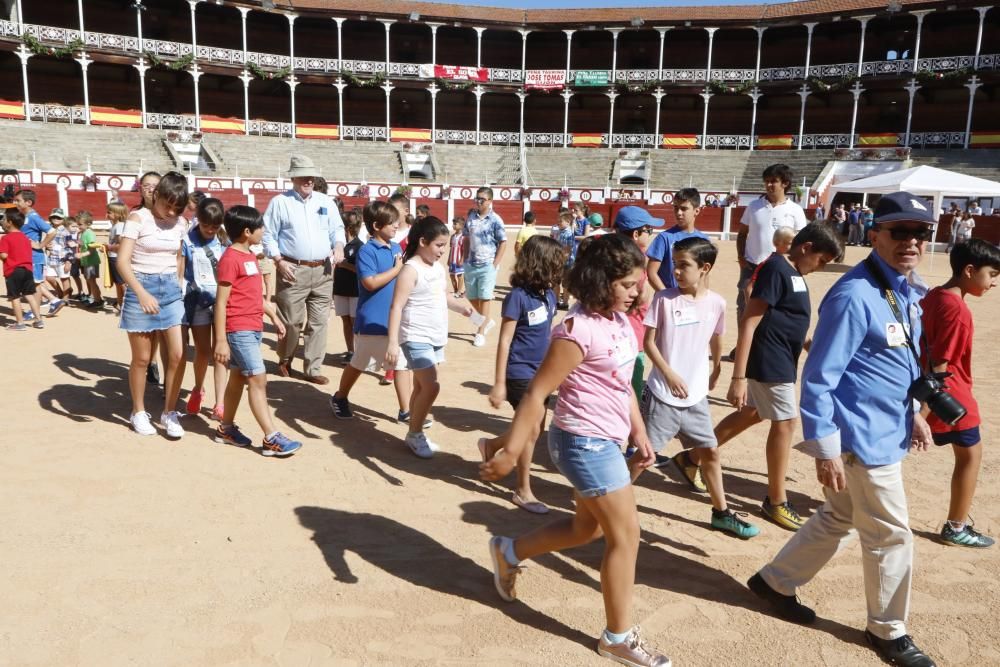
(705, 95)
(760, 45)
(973, 85)
(804, 93)
(478, 92)
(340, 85)
(195, 75)
(387, 87)
(23, 55)
(246, 78)
(711, 40)
(979, 35)
(755, 95)
(140, 65)
(84, 65)
(912, 89)
(809, 43)
(479, 46)
(569, 50)
(566, 95)
(856, 91)
(611, 121)
(659, 95)
(433, 90)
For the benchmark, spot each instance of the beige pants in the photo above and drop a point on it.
(308, 298)
(873, 506)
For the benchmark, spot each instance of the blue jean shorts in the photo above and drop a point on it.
(244, 352)
(165, 289)
(480, 281)
(422, 355)
(594, 466)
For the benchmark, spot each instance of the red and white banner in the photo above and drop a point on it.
(545, 79)
(455, 72)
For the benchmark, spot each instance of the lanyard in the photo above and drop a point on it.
(890, 297)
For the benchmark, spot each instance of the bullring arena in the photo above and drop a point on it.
(127, 550)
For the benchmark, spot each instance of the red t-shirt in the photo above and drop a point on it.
(948, 332)
(245, 307)
(18, 249)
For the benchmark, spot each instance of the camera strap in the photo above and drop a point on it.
(890, 297)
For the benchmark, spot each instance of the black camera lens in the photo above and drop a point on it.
(946, 408)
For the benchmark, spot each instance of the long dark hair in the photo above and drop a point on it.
(428, 229)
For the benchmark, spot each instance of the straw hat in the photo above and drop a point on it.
(302, 166)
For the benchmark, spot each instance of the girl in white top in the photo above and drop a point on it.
(151, 264)
(418, 321)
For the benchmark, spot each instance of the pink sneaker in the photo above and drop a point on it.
(194, 401)
(633, 651)
(218, 411)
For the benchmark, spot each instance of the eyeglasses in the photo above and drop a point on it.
(907, 233)
(481, 200)
(646, 230)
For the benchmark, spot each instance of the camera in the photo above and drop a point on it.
(930, 389)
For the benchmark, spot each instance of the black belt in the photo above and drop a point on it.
(305, 262)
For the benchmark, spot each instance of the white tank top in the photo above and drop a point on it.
(425, 315)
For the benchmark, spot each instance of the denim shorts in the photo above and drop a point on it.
(422, 355)
(594, 466)
(167, 291)
(244, 352)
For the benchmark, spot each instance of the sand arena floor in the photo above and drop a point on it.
(119, 549)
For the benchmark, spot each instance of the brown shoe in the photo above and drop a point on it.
(318, 379)
(283, 369)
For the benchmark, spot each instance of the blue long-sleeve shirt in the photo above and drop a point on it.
(305, 229)
(855, 385)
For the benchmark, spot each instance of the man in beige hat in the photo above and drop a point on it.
(304, 235)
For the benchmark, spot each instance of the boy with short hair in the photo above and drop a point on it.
(567, 239)
(659, 268)
(56, 268)
(40, 233)
(948, 329)
(90, 259)
(681, 323)
(526, 232)
(772, 335)
(17, 258)
(239, 312)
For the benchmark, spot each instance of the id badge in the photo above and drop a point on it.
(895, 336)
(251, 268)
(799, 284)
(685, 316)
(539, 315)
(624, 353)
(203, 270)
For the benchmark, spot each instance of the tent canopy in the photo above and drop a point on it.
(924, 181)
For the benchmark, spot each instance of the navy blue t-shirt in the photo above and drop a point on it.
(373, 307)
(345, 281)
(533, 314)
(777, 342)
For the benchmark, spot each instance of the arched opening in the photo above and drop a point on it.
(456, 46)
(543, 112)
(316, 104)
(364, 40)
(502, 48)
(500, 112)
(589, 113)
(315, 38)
(267, 33)
(592, 49)
(270, 100)
(410, 108)
(546, 50)
(410, 43)
(456, 110)
(685, 48)
(635, 114)
(221, 96)
(219, 25)
(639, 49)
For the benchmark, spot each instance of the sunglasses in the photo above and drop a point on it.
(907, 233)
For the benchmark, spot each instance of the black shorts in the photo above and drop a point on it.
(20, 283)
(74, 268)
(515, 392)
(116, 277)
(968, 437)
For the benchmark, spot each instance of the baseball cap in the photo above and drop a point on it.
(596, 220)
(57, 213)
(635, 217)
(903, 206)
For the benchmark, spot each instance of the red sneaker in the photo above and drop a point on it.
(194, 402)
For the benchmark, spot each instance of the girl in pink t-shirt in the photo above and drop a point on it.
(590, 362)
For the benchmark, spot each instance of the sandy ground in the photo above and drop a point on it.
(119, 549)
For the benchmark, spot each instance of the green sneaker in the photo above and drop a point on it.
(730, 522)
(967, 537)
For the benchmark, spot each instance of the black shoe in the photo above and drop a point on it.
(787, 607)
(661, 461)
(153, 374)
(900, 651)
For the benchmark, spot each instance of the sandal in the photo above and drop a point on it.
(534, 506)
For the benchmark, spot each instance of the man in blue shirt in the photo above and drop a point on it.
(859, 421)
(485, 242)
(304, 235)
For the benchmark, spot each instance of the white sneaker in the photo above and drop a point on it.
(489, 325)
(478, 340)
(171, 422)
(419, 445)
(141, 425)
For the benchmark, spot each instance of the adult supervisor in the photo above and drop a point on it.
(859, 421)
(486, 240)
(304, 235)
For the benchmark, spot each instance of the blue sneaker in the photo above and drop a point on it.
(231, 435)
(55, 307)
(341, 408)
(280, 445)
(28, 316)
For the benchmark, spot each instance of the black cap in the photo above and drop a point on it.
(903, 206)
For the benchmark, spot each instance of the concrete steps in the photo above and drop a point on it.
(58, 146)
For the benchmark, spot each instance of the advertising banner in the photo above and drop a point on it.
(545, 79)
(454, 72)
(591, 77)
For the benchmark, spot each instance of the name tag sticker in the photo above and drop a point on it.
(685, 316)
(250, 268)
(624, 353)
(322, 210)
(894, 334)
(539, 315)
(799, 284)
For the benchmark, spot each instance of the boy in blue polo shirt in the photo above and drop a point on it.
(40, 233)
(660, 264)
(378, 263)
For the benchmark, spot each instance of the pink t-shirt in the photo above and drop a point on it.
(684, 326)
(157, 242)
(595, 400)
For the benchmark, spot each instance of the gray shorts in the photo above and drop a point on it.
(691, 425)
(774, 401)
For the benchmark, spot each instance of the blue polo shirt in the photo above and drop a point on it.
(662, 250)
(372, 317)
(533, 314)
(35, 228)
(855, 385)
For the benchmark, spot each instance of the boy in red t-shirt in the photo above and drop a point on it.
(15, 252)
(947, 322)
(239, 312)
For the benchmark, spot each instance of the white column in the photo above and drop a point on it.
(611, 120)
(569, 47)
(434, 42)
(79, 11)
(804, 93)
(524, 51)
(387, 23)
(246, 78)
(292, 85)
(23, 55)
(705, 95)
(141, 67)
(243, 23)
(479, 46)
(340, 41)
(433, 90)
(194, 31)
(478, 92)
(912, 89)
(979, 35)
(809, 44)
(340, 85)
(614, 53)
(138, 25)
(920, 14)
(663, 39)
(521, 97)
(566, 95)
(84, 65)
(20, 18)
(659, 95)
(856, 91)
(861, 48)
(755, 95)
(708, 67)
(291, 43)
(973, 85)
(760, 45)
(196, 74)
(387, 87)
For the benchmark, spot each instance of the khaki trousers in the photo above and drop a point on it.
(308, 299)
(873, 506)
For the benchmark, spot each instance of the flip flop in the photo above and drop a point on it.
(481, 445)
(535, 507)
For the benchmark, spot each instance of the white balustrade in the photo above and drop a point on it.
(727, 141)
